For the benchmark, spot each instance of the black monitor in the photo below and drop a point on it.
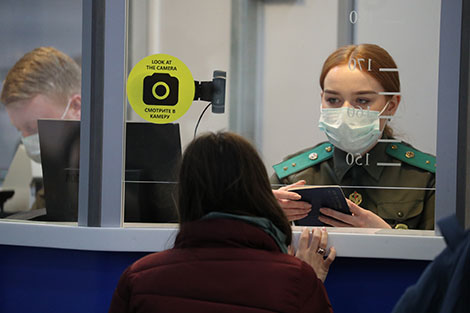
(4, 196)
(153, 153)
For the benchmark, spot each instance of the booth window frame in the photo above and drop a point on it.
(101, 182)
(104, 57)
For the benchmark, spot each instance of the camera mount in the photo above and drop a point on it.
(212, 91)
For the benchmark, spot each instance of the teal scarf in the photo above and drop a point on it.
(266, 225)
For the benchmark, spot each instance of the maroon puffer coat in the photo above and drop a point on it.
(220, 265)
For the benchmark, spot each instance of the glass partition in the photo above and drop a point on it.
(38, 89)
(202, 42)
(388, 171)
(274, 52)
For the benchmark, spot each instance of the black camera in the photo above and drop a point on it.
(213, 91)
(160, 89)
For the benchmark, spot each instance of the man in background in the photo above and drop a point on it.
(44, 83)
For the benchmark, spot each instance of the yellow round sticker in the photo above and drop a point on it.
(160, 88)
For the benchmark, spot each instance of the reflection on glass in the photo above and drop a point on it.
(43, 84)
(40, 80)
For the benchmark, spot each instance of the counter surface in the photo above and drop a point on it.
(349, 242)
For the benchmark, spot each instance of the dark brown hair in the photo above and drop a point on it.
(380, 58)
(223, 172)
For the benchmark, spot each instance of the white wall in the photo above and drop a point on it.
(198, 33)
(299, 36)
(296, 43)
(409, 31)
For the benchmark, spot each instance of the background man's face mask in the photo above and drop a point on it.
(31, 143)
(351, 130)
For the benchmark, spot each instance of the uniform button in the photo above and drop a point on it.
(401, 226)
(294, 164)
(409, 154)
(328, 149)
(428, 162)
(394, 147)
(313, 156)
(285, 168)
(400, 214)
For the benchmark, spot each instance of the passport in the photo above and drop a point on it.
(320, 197)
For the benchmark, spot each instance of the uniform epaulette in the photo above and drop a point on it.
(412, 156)
(304, 160)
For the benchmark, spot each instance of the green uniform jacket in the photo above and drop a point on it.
(410, 207)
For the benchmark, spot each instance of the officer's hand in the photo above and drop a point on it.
(359, 218)
(312, 250)
(294, 210)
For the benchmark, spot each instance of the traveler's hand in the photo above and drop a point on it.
(312, 250)
(294, 210)
(360, 217)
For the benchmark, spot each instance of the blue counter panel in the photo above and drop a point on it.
(56, 280)
(63, 281)
(370, 285)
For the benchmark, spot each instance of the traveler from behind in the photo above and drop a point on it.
(230, 254)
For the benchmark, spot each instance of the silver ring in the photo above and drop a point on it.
(321, 251)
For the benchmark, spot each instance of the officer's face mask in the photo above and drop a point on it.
(31, 143)
(351, 130)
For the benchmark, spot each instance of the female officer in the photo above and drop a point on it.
(387, 183)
